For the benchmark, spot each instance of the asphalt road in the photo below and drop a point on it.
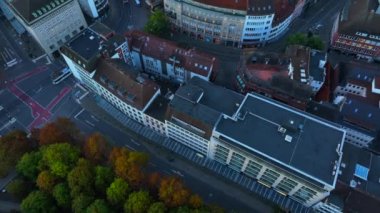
(123, 17)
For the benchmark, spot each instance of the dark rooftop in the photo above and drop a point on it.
(359, 18)
(317, 65)
(86, 44)
(158, 108)
(205, 101)
(287, 137)
(29, 10)
(353, 156)
(361, 114)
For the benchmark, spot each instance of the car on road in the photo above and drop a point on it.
(59, 76)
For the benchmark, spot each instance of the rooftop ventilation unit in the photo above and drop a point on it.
(281, 129)
(288, 138)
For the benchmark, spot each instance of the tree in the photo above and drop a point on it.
(215, 209)
(12, 146)
(135, 175)
(157, 207)
(59, 158)
(95, 148)
(117, 152)
(172, 192)
(61, 194)
(121, 166)
(153, 181)
(98, 206)
(103, 178)
(138, 202)
(37, 202)
(61, 131)
(80, 203)
(80, 178)
(157, 24)
(45, 181)
(195, 201)
(314, 42)
(117, 192)
(128, 168)
(138, 158)
(28, 165)
(19, 188)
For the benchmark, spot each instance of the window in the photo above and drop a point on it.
(237, 161)
(286, 185)
(221, 154)
(253, 169)
(269, 177)
(304, 194)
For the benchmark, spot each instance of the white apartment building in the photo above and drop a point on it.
(50, 22)
(164, 59)
(240, 23)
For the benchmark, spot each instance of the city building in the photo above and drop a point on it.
(356, 30)
(94, 8)
(359, 184)
(294, 77)
(83, 52)
(165, 59)
(233, 23)
(281, 147)
(359, 102)
(195, 110)
(10, 16)
(50, 22)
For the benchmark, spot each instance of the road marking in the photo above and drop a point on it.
(126, 145)
(89, 123)
(93, 117)
(10, 122)
(133, 141)
(76, 116)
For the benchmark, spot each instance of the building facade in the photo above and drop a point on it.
(50, 22)
(165, 59)
(233, 23)
(94, 8)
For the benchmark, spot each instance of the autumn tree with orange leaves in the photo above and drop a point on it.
(95, 148)
(172, 192)
(62, 130)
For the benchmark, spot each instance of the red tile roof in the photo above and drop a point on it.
(130, 86)
(264, 72)
(191, 59)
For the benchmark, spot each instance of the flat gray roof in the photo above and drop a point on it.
(86, 44)
(205, 101)
(307, 147)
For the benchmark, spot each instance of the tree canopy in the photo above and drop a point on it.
(138, 202)
(314, 42)
(37, 202)
(117, 192)
(158, 24)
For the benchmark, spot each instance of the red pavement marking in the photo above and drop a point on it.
(24, 76)
(58, 98)
(40, 113)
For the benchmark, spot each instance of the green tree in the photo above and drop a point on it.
(314, 42)
(19, 188)
(37, 202)
(46, 181)
(59, 158)
(103, 178)
(28, 165)
(80, 203)
(138, 158)
(157, 24)
(81, 178)
(138, 202)
(61, 194)
(157, 207)
(98, 206)
(117, 192)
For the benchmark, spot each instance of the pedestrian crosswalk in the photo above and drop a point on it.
(220, 169)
